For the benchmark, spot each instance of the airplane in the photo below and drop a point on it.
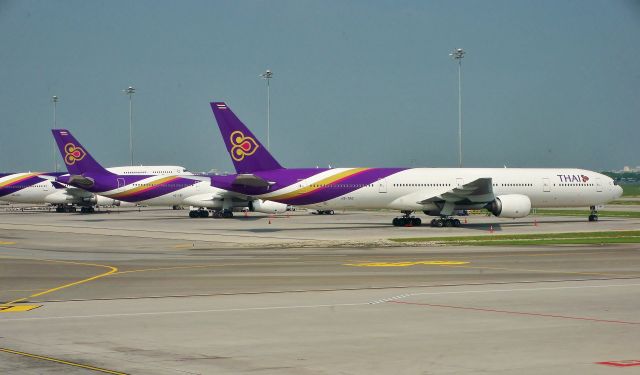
(41, 188)
(439, 192)
(152, 189)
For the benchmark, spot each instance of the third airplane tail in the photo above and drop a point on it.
(247, 153)
(75, 156)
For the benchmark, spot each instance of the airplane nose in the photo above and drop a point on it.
(618, 191)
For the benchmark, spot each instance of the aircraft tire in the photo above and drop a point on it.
(456, 223)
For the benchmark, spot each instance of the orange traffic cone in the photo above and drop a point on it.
(491, 229)
(465, 220)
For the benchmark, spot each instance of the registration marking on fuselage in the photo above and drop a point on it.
(408, 264)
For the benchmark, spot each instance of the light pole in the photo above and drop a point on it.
(130, 91)
(458, 54)
(54, 100)
(267, 75)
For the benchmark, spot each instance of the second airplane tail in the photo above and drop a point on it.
(246, 151)
(75, 156)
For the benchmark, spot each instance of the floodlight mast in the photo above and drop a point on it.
(458, 54)
(54, 100)
(267, 75)
(130, 91)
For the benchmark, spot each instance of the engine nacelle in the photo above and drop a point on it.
(99, 200)
(267, 207)
(510, 205)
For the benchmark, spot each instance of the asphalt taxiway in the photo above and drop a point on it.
(154, 292)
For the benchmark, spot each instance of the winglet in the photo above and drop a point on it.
(75, 156)
(246, 151)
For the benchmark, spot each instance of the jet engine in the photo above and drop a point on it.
(267, 207)
(510, 205)
(99, 200)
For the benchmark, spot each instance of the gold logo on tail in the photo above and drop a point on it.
(242, 146)
(73, 153)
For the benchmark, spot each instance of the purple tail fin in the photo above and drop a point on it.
(246, 151)
(75, 156)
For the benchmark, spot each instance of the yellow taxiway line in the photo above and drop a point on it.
(112, 270)
(74, 364)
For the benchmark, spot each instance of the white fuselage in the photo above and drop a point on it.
(45, 192)
(406, 189)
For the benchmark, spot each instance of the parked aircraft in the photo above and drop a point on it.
(505, 192)
(41, 188)
(152, 189)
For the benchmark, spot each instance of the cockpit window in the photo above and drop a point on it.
(615, 182)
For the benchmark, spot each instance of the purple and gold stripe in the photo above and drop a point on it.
(14, 184)
(17, 180)
(335, 186)
(319, 185)
(144, 188)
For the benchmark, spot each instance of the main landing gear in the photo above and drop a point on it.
(65, 208)
(324, 212)
(594, 214)
(445, 222)
(226, 214)
(407, 220)
(87, 210)
(198, 213)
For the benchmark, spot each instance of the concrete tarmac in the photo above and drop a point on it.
(153, 292)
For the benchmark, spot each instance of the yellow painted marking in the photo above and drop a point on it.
(111, 271)
(74, 364)
(408, 264)
(18, 308)
(175, 268)
(183, 246)
(7, 243)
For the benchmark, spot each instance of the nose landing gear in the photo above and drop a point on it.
(594, 214)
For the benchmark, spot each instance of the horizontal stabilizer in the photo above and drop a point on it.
(251, 180)
(82, 181)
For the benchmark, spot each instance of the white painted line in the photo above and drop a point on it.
(395, 298)
(402, 296)
(185, 312)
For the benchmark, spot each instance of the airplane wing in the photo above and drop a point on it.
(474, 192)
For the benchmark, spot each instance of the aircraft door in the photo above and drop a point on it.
(598, 185)
(459, 182)
(120, 182)
(382, 186)
(546, 185)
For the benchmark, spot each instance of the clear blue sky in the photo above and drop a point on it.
(357, 83)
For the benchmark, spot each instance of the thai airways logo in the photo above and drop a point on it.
(242, 146)
(573, 178)
(73, 153)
